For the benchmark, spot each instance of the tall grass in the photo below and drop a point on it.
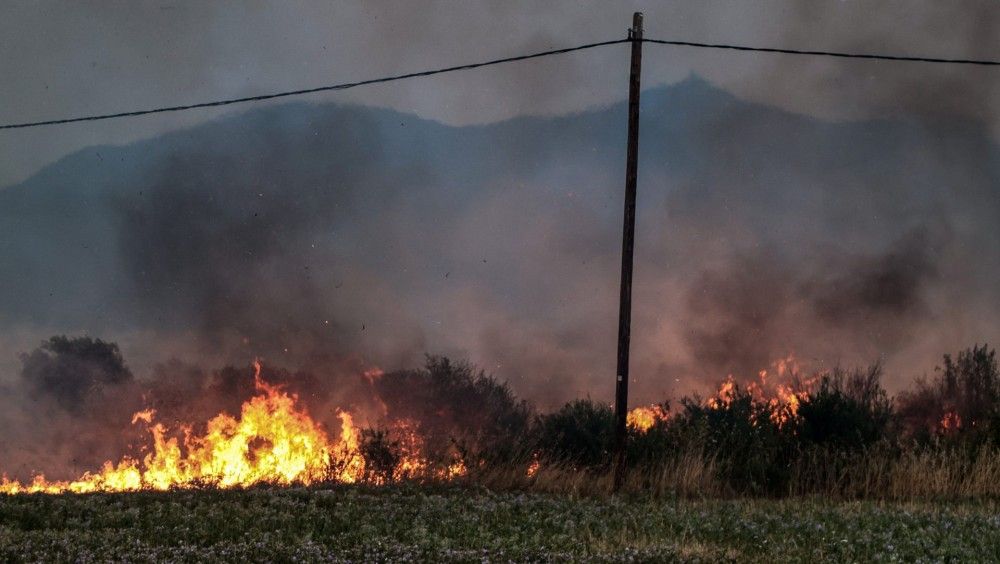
(926, 475)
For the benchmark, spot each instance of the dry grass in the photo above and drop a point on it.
(914, 475)
(876, 475)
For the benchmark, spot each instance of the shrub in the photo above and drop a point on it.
(381, 454)
(961, 405)
(456, 406)
(654, 445)
(74, 370)
(750, 450)
(848, 410)
(580, 433)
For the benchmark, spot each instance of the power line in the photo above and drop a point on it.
(343, 86)
(982, 62)
(346, 85)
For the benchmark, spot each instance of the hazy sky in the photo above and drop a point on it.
(62, 59)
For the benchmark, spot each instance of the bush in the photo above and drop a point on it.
(453, 405)
(74, 370)
(580, 433)
(848, 410)
(752, 453)
(962, 405)
(381, 454)
(654, 445)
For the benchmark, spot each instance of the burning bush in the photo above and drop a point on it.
(738, 431)
(835, 433)
(651, 440)
(381, 454)
(581, 434)
(961, 404)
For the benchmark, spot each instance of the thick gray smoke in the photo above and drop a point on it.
(850, 307)
(943, 95)
(328, 239)
(343, 236)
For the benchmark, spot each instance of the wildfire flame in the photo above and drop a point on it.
(533, 467)
(783, 399)
(785, 404)
(348, 452)
(273, 441)
(643, 418)
(951, 421)
(724, 395)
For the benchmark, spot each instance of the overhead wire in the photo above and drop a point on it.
(327, 88)
(347, 85)
(837, 54)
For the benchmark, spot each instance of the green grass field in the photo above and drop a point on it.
(472, 525)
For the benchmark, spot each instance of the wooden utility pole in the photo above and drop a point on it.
(628, 244)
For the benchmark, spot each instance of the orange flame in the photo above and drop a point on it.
(643, 418)
(785, 405)
(272, 441)
(783, 400)
(533, 467)
(951, 421)
(412, 462)
(724, 396)
(351, 465)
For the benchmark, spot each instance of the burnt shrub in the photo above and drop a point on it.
(580, 433)
(454, 406)
(960, 405)
(382, 455)
(848, 410)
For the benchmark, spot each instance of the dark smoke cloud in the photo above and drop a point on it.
(223, 237)
(836, 305)
(888, 286)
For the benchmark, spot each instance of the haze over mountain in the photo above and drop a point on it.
(326, 236)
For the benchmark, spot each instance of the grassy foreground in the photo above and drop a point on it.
(474, 525)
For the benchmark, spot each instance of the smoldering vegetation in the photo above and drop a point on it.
(836, 432)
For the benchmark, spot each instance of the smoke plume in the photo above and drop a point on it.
(330, 239)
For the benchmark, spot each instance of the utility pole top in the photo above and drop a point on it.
(636, 31)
